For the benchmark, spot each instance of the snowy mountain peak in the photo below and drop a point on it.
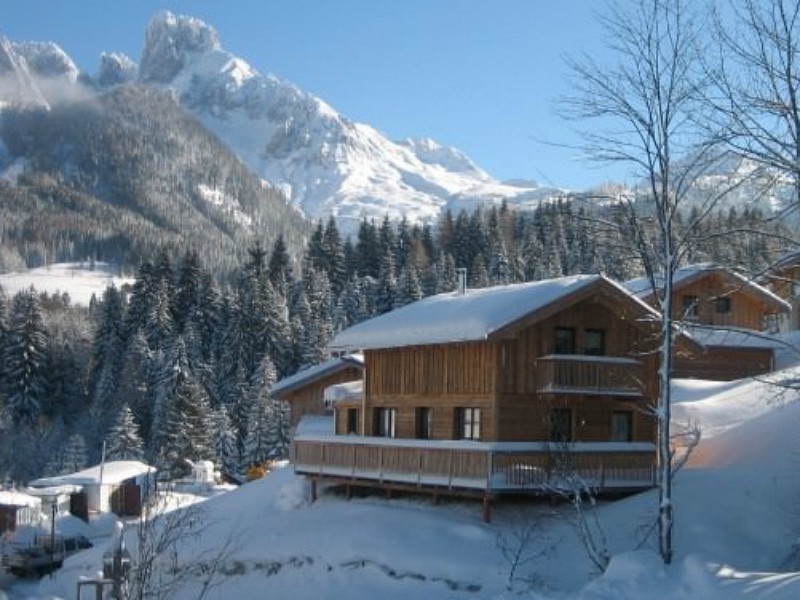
(169, 40)
(115, 69)
(433, 153)
(324, 162)
(17, 85)
(48, 60)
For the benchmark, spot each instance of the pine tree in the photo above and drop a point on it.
(386, 285)
(334, 255)
(226, 453)
(123, 441)
(258, 443)
(75, 455)
(408, 287)
(108, 345)
(188, 427)
(278, 429)
(25, 356)
(280, 266)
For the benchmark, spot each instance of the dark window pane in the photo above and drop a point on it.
(564, 342)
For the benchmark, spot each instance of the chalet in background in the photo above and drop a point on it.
(731, 319)
(305, 390)
(783, 279)
(490, 391)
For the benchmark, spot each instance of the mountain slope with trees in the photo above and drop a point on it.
(120, 176)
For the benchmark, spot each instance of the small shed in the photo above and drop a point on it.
(119, 486)
(17, 509)
(54, 499)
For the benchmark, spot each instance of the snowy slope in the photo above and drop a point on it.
(326, 163)
(734, 533)
(78, 280)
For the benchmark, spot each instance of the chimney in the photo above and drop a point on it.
(462, 281)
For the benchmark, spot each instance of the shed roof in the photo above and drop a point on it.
(112, 472)
(342, 392)
(15, 498)
(475, 315)
(315, 373)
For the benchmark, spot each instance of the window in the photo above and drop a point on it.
(722, 306)
(621, 426)
(594, 342)
(352, 420)
(468, 423)
(561, 425)
(564, 342)
(690, 307)
(385, 419)
(424, 423)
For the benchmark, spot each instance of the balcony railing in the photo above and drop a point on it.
(580, 374)
(491, 467)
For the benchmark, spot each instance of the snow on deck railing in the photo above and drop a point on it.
(490, 466)
(579, 373)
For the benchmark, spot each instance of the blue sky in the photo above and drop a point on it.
(480, 75)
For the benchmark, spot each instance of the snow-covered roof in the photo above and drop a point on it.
(14, 498)
(112, 472)
(641, 286)
(316, 372)
(315, 425)
(731, 337)
(53, 491)
(470, 316)
(342, 392)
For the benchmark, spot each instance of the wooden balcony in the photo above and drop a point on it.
(580, 374)
(460, 466)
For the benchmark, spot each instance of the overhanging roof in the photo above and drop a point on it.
(477, 314)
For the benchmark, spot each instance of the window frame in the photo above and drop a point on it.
(385, 424)
(628, 414)
(423, 423)
(558, 347)
(602, 337)
(468, 423)
(691, 307)
(351, 421)
(722, 305)
(555, 422)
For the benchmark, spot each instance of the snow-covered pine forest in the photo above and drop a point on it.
(179, 364)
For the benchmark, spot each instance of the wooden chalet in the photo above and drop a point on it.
(713, 295)
(494, 391)
(731, 319)
(304, 391)
(783, 279)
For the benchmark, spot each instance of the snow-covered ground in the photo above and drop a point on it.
(736, 528)
(79, 280)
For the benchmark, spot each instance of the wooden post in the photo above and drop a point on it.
(487, 509)
(348, 492)
(313, 490)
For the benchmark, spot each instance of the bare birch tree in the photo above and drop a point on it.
(755, 104)
(641, 110)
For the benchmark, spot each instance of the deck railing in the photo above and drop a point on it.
(570, 373)
(494, 467)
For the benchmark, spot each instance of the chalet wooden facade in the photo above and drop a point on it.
(304, 391)
(729, 316)
(490, 391)
(713, 295)
(783, 279)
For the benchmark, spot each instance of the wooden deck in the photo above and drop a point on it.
(579, 374)
(490, 468)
